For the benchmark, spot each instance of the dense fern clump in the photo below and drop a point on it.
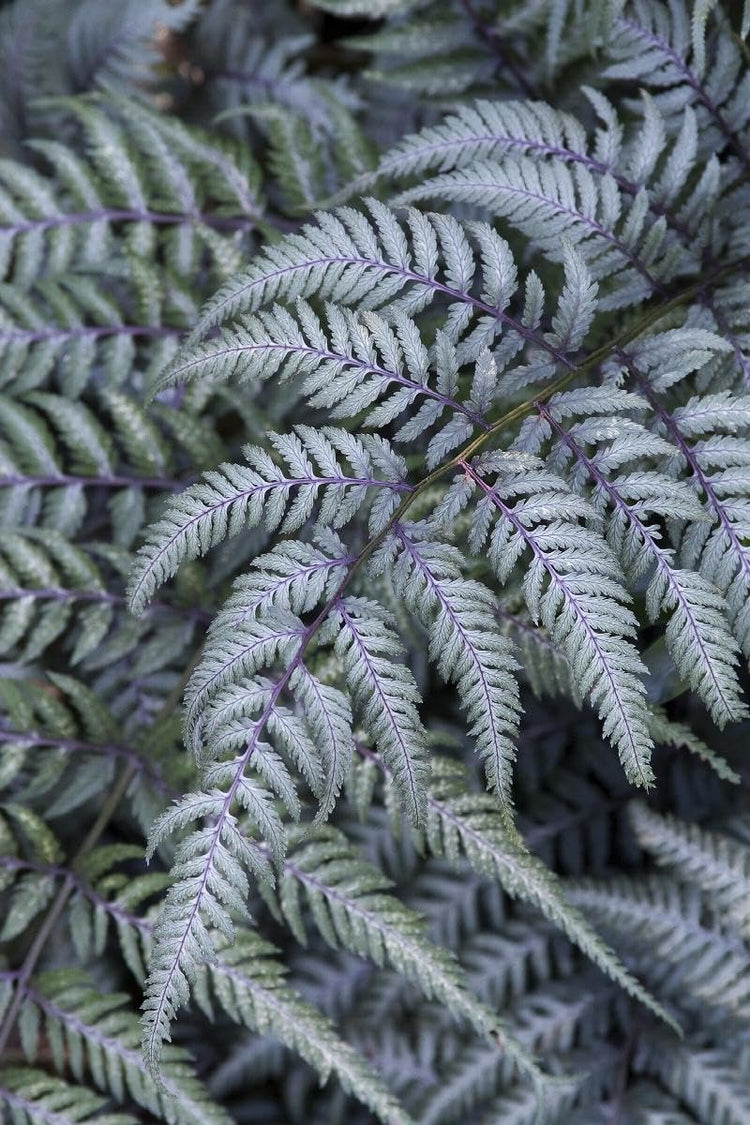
(375, 562)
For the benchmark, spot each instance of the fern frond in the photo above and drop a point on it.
(238, 496)
(294, 577)
(716, 547)
(543, 663)
(104, 897)
(29, 881)
(312, 150)
(385, 692)
(56, 452)
(473, 1078)
(210, 864)
(516, 1107)
(211, 883)
(664, 37)
(484, 130)
(549, 1018)
(78, 48)
(681, 957)
(708, 1081)
(244, 980)
(253, 62)
(698, 635)
(346, 368)
(670, 732)
(62, 746)
(432, 54)
(467, 825)
(43, 577)
(97, 1035)
(485, 134)
(350, 258)
(477, 659)
(360, 8)
(350, 906)
(166, 183)
(553, 202)
(717, 864)
(573, 585)
(479, 468)
(249, 985)
(503, 966)
(33, 1097)
(74, 326)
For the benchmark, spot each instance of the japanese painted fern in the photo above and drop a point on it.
(407, 444)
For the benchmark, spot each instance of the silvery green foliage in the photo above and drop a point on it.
(381, 392)
(49, 51)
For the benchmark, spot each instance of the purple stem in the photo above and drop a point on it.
(121, 215)
(286, 581)
(396, 486)
(76, 746)
(408, 275)
(348, 361)
(166, 484)
(87, 331)
(630, 187)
